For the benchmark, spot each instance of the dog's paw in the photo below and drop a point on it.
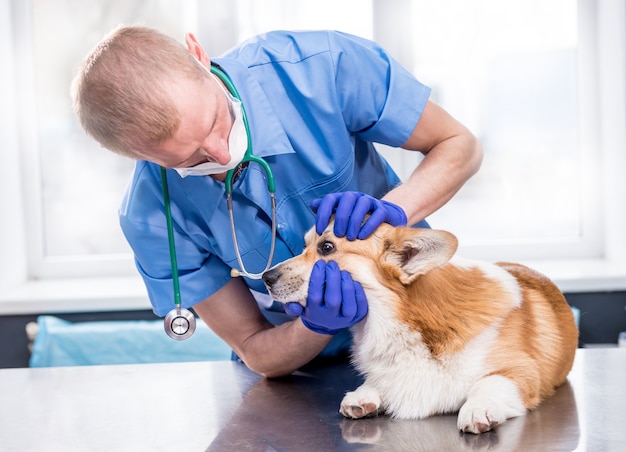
(491, 401)
(361, 403)
(478, 419)
(359, 410)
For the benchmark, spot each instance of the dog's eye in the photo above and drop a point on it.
(326, 248)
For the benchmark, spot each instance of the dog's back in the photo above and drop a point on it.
(542, 328)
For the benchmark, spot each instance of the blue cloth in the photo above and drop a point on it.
(315, 102)
(62, 343)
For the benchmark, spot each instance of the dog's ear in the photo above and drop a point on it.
(417, 251)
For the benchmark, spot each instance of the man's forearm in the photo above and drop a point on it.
(281, 350)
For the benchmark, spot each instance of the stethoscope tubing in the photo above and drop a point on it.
(228, 185)
(243, 271)
(170, 237)
(180, 323)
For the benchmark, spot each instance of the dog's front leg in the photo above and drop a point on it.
(362, 402)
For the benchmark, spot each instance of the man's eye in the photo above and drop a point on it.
(326, 248)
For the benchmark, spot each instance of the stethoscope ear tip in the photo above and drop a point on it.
(234, 273)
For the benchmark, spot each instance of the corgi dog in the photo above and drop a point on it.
(442, 334)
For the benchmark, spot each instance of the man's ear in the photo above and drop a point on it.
(196, 50)
(417, 251)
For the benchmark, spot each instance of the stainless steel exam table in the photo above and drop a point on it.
(223, 406)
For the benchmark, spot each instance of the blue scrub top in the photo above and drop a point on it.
(315, 102)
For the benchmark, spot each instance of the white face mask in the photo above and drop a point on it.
(237, 144)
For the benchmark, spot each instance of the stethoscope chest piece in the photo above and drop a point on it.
(180, 324)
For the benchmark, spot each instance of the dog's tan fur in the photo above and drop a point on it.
(501, 337)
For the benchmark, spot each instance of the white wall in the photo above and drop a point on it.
(12, 237)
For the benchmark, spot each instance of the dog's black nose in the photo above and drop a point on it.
(270, 277)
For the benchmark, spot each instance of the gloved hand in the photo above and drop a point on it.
(350, 209)
(335, 301)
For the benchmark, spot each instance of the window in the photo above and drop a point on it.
(75, 187)
(540, 83)
(510, 72)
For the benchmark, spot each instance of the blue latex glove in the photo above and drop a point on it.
(335, 301)
(350, 209)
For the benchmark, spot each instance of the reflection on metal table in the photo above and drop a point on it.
(223, 406)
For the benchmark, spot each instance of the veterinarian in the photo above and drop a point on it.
(315, 103)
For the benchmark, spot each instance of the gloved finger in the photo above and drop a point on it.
(348, 297)
(361, 302)
(325, 207)
(377, 217)
(344, 210)
(315, 204)
(363, 206)
(293, 309)
(315, 296)
(332, 294)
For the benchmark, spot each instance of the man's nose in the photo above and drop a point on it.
(217, 152)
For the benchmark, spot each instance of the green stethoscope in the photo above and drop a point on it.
(180, 323)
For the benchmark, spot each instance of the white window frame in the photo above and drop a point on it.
(101, 285)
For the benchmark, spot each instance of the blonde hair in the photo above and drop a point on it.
(119, 92)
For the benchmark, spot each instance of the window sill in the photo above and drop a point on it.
(75, 295)
(583, 275)
(128, 293)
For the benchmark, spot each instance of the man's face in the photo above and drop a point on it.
(205, 123)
